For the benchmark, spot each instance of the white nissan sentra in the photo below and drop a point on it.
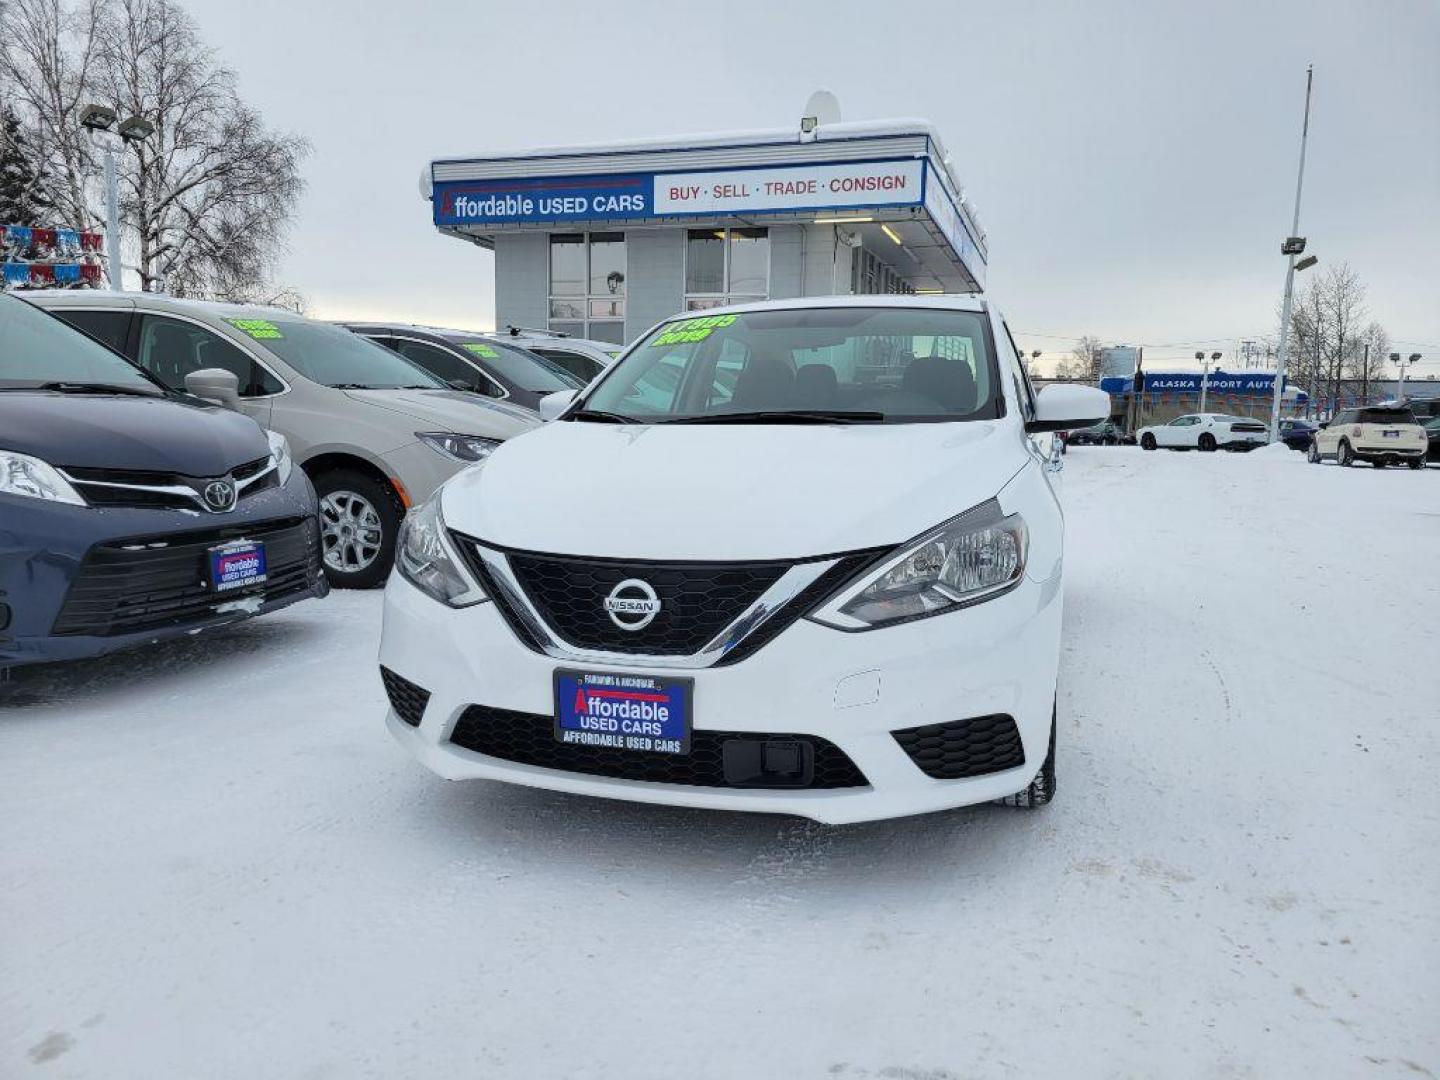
(798, 557)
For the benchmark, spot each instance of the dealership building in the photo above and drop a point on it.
(604, 241)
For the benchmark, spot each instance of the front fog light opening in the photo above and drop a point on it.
(968, 560)
(425, 557)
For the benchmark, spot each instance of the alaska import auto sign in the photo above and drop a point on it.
(540, 200)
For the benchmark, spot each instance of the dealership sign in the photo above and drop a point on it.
(1188, 382)
(649, 195)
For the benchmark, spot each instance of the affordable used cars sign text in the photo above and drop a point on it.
(643, 195)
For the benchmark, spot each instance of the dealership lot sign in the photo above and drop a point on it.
(652, 195)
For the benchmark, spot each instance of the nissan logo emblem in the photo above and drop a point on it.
(633, 604)
(220, 496)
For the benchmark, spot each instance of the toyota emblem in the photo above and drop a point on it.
(633, 604)
(220, 496)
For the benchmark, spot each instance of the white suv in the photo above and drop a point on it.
(374, 432)
(1380, 434)
(799, 557)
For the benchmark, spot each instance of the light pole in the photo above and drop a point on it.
(1294, 245)
(99, 119)
(1402, 364)
(1204, 376)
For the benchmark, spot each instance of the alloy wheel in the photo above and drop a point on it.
(350, 531)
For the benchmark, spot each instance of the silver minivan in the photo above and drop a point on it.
(375, 433)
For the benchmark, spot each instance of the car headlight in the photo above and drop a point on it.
(425, 557)
(280, 455)
(466, 448)
(21, 474)
(969, 559)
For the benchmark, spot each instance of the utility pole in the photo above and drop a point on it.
(113, 271)
(1291, 248)
(1402, 364)
(1365, 377)
(1204, 377)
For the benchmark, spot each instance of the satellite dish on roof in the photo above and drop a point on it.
(824, 107)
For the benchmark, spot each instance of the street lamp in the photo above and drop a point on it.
(99, 119)
(1402, 364)
(1294, 245)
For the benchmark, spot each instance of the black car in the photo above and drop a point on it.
(1298, 434)
(1105, 433)
(129, 512)
(1431, 424)
(473, 362)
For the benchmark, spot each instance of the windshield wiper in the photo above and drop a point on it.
(784, 416)
(600, 416)
(99, 388)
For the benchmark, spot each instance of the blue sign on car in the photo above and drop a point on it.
(640, 713)
(233, 566)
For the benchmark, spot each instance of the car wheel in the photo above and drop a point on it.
(1147, 441)
(1207, 441)
(1416, 463)
(359, 517)
(1042, 789)
(1313, 454)
(1344, 455)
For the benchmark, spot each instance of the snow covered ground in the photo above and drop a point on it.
(214, 863)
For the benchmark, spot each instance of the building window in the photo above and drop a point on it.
(870, 276)
(726, 266)
(587, 285)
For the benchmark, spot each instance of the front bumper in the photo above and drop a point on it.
(852, 689)
(44, 546)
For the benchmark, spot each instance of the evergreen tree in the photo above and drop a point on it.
(23, 200)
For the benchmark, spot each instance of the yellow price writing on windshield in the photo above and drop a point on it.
(259, 329)
(688, 330)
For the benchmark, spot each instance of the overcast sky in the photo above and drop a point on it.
(1132, 160)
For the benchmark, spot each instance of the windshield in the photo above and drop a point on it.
(37, 348)
(876, 364)
(333, 356)
(520, 366)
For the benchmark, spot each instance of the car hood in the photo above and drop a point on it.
(728, 492)
(453, 410)
(120, 432)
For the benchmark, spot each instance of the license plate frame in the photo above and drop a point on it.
(611, 710)
(1392, 433)
(236, 565)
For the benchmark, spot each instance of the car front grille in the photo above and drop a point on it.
(407, 699)
(697, 600)
(964, 748)
(149, 583)
(529, 739)
(142, 489)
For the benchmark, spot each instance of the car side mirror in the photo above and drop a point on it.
(214, 384)
(1325, 423)
(1065, 406)
(552, 405)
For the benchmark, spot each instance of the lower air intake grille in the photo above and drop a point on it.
(146, 583)
(529, 739)
(407, 699)
(965, 748)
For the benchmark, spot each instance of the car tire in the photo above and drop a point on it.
(1147, 441)
(1312, 455)
(1416, 463)
(1207, 441)
(359, 519)
(1344, 455)
(1041, 789)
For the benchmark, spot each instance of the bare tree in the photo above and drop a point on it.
(47, 72)
(1067, 369)
(1086, 358)
(211, 193)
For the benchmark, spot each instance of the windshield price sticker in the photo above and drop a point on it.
(487, 351)
(259, 329)
(692, 330)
